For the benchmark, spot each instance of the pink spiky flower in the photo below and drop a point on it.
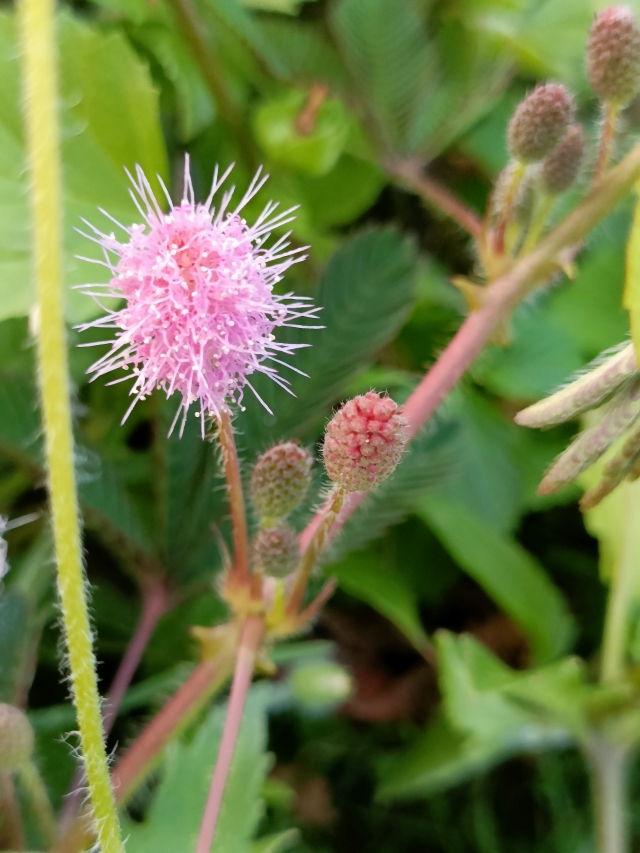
(200, 311)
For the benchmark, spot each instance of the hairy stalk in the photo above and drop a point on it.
(207, 678)
(193, 31)
(250, 639)
(41, 120)
(502, 297)
(504, 214)
(608, 765)
(240, 570)
(155, 603)
(622, 591)
(39, 799)
(607, 135)
(410, 174)
(313, 549)
(537, 226)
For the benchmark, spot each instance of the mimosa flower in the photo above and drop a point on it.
(200, 312)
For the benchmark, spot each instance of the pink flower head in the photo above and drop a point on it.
(200, 310)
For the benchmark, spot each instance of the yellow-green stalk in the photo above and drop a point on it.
(36, 19)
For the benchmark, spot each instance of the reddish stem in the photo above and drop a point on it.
(251, 637)
(502, 297)
(410, 173)
(236, 500)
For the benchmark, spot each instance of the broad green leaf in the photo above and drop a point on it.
(343, 194)
(489, 713)
(109, 120)
(367, 575)
(365, 293)
(173, 819)
(314, 153)
(631, 293)
(439, 758)
(305, 54)
(508, 573)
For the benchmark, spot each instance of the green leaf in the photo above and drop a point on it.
(439, 758)
(314, 153)
(631, 294)
(20, 432)
(277, 843)
(365, 293)
(367, 575)
(16, 640)
(305, 54)
(173, 819)
(343, 194)
(489, 713)
(539, 357)
(508, 573)
(391, 58)
(109, 120)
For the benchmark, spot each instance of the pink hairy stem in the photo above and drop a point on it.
(501, 298)
(250, 639)
(155, 603)
(240, 570)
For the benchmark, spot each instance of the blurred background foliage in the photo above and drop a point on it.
(334, 97)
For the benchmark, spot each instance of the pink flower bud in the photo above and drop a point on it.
(561, 167)
(540, 122)
(276, 550)
(280, 480)
(16, 738)
(613, 55)
(364, 442)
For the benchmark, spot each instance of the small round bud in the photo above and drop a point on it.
(280, 480)
(561, 167)
(16, 738)
(539, 122)
(276, 550)
(364, 442)
(613, 55)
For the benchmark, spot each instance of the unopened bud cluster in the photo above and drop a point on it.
(16, 738)
(561, 168)
(280, 480)
(364, 442)
(613, 55)
(540, 122)
(613, 386)
(276, 550)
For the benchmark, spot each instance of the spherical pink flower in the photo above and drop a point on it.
(200, 311)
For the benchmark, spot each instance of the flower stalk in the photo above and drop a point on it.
(36, 18)
(250, 640)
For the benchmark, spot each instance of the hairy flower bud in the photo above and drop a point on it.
(276, 550)
(540, 122)
(16, 738)
(613, 55)
(364, 442)
(561, 167)
(280, 480)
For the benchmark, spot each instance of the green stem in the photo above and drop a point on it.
(608, 764)
(537, 226)
(39, 799)
(43, 149)
(623, 587)
(607, 136)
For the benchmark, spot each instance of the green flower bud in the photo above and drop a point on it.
(276, 550)
(280, 480)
